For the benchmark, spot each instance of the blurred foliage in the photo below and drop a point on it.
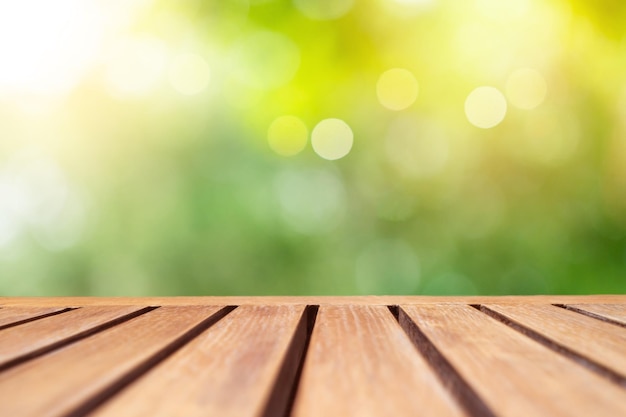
(136, 155)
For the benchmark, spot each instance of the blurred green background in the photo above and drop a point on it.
(161, 147)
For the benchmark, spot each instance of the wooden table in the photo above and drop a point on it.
(313, 356)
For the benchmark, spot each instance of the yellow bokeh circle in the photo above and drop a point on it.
(287, 135)
(397, 89)
(332, 139)
(485, 107)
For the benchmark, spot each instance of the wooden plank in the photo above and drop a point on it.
(599, 341)
(360, 363)
(30, 338)
(306, 300)
(62, 381)
(10, 316)
(228, 370)
(513, 374)
(616, 312)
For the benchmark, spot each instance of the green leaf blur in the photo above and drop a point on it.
(222, 147)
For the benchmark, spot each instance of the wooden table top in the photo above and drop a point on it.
(313, 356)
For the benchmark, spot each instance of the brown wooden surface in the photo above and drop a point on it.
(602, 342)
(360, 363)
(21, 341)
(64, 378)
(19, 315)
(514, 375)
(313, 356)
(227, 371)
(615, 312)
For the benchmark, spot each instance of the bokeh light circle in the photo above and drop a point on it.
(332, 139)
(397, 89)
(323, 9)
(526, 88)
(189, 74)
(485, 107)
(287, 135)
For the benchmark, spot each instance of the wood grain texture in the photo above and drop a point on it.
(13, 315)
(601, 342)
(360, 363)
(58, 383)
(229, 370)
(29, 338)
(513, 374)
(307, 300)
(616, 312)
(266, 357)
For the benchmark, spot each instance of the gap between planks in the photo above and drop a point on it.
(109, 392)
(560, 348)
(12, 359)
(591, 314)
(23, 317)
